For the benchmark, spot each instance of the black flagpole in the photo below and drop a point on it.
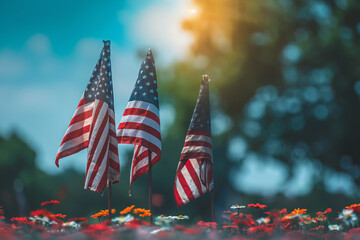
(109, 202)
(150, 186)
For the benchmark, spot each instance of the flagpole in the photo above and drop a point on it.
(150, 186)
(212, 205)
(109, 201)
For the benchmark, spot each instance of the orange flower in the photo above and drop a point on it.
(298, 211)
(127, 210)
(103, 213)
(96, 215)
(141, 211)
(58, 215)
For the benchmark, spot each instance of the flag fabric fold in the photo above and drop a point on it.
(93, 127)
(194, 174)
(140, 124)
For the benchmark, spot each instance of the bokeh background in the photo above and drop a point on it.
(285, 98)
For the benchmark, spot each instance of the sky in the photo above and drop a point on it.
(48, 50)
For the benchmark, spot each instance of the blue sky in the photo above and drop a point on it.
(48, 50)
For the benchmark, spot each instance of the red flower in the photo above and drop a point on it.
(262, 229)
(257, 205)
(242, 219)
(22, 220)
(40, 213)
(231, 226)
(207, 225)
(136, 223)
(191, 231)
(58, 215)
(51, 202)
(284, 210)
(329, 210)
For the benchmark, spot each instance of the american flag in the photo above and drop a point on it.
(93, 127)
(194, 172)
(140, 124)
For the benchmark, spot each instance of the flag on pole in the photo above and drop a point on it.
(140, 124)
(93, 127)
(194, 172)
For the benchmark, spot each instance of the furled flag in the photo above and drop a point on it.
(93, 127)
(194, 172)
(140, 124)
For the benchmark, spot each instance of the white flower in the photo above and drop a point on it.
(348, 216)
(263, 221)
(180, 217)
(334, 227)
(71, 224)
(236, 206)
(123, 219)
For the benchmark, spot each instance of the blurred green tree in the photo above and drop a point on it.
(285, 85)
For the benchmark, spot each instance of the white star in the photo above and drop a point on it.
(138, 81)
(103, 66)
(155, 98)
(151, 90)
(103, 90)
(144, 77)
(141, 87)
(103, 79)
(135, 93)
(151, 74)
(154, 81)
(144, 93)
(100, 85)
(89, 95)
(148, 84)
(148, 57)
(107, 96)
(141, 71)
(92, 89)
(147, 66)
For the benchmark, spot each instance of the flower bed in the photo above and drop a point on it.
(254, 221)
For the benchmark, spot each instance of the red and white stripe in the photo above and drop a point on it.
(93, 127)
(140, 125)
(194, 172)
(77, 134)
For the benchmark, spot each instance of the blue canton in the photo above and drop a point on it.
(201, 117)
(100, 84)
(146, 84)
